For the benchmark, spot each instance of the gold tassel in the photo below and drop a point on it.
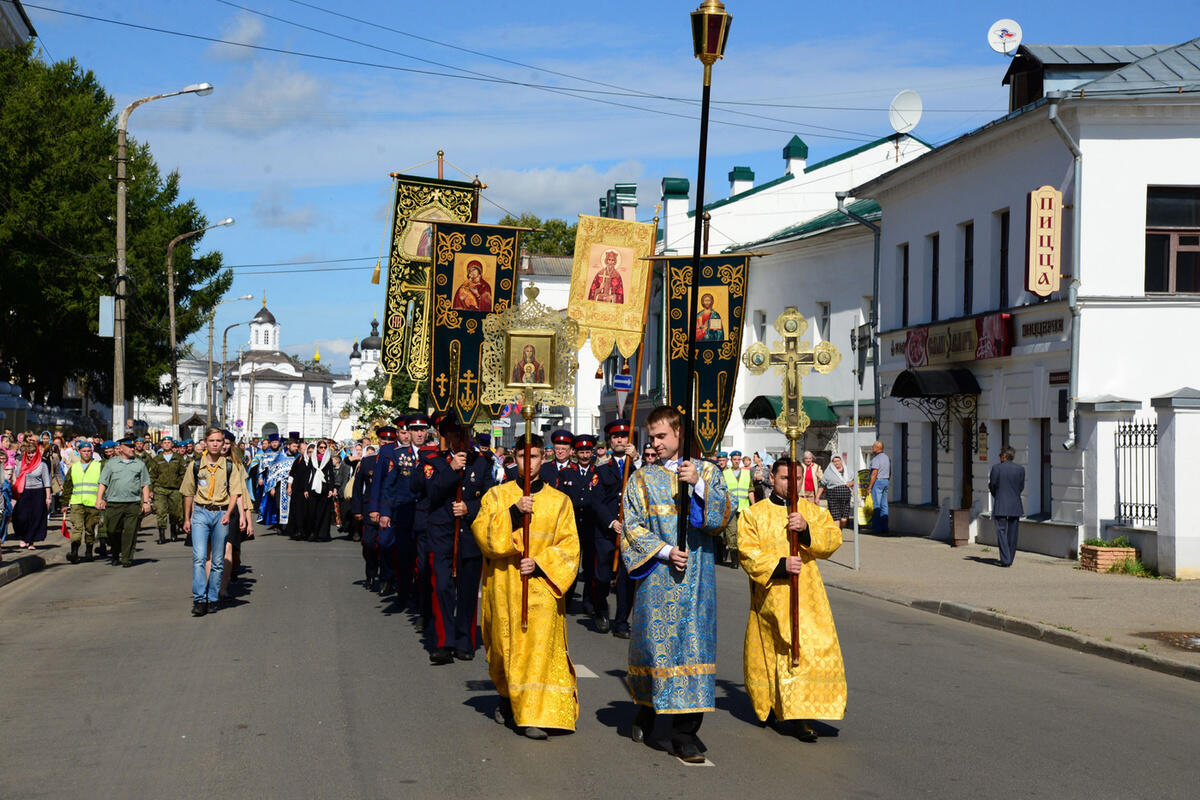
(387, 391)
(415, 400)
(375, 274)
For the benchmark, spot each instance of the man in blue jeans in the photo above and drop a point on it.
(881, 474)
(213, 486)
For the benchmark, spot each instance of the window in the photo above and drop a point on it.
(901, 464)
(1004, 231)
(1044, 465)
(1173, 239)
(935, 273)
(904, 285)
(968, 266)
(823, 326)
(760, 326)
(270, 403)
(1004, 428)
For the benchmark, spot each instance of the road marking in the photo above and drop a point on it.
(583, 672)
(707, 763)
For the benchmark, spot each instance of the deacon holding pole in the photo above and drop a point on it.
(710, 32)
(527, 530)
(779, 538)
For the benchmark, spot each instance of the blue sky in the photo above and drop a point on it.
(298, 149)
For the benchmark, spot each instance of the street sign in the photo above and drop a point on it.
(623, 383)
(504, 422)
(238, 423)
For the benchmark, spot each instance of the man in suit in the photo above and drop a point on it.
(606, 509)
(1006, 482)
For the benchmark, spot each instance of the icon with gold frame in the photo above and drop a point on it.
(529, 349)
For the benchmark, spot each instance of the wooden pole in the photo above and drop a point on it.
(794, 550)
(527, 411)
(637, 387)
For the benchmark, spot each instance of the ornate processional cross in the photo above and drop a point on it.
(792, 360)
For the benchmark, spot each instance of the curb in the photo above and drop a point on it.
(25, 565)
(1035, 630)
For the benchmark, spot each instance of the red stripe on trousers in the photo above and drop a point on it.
(437, 609)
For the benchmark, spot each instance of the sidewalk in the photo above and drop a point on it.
(18, 563)
(1115, 616)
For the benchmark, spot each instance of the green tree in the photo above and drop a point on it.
(554, 237)
(57, 237)
(372, 409)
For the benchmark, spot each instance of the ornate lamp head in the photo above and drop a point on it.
(710, 32)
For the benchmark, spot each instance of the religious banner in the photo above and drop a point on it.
(715, 327)
(418, 201)
(609, 281)
(474, 274)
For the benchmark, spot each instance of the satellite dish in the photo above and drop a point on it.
(1004, 36)
(905, 111)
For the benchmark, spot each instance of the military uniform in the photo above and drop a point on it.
(455, 599)
(587, 485)
(398, 503)
(166, 476)
(363, 482)
(606, 508)
(563, 476)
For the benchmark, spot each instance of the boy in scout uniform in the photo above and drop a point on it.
(213, 486)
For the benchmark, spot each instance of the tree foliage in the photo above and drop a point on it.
(554, 237)
(58, 236)
(372, 409)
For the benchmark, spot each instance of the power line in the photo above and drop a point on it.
(581, 94)
(298, 263)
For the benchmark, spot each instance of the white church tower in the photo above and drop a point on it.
(264, 331)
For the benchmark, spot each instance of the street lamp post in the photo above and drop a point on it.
(211, 317)
(224, 368)
(171, 314)
(118, 406)
(710, 32)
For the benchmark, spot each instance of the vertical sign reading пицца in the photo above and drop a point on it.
(1043, 249)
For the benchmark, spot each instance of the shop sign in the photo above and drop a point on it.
(976, 339)
(1042, 327)
(1060, 378)
(1043, 256)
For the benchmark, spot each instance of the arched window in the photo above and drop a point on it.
(270, 403)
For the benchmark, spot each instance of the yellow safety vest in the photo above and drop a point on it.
(85, 482)
(738, 483)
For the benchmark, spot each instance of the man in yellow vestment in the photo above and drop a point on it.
(531, 669)
(816, 687)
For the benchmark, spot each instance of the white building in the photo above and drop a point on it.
(750, 213)
(267, 390)
(953, 284)
(822, 267)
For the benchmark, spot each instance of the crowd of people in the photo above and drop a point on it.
(502, 546)
(495, 548)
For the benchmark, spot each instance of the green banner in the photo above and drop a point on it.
(714, 327)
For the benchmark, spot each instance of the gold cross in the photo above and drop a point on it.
(441, 382)
(466, 397)
(707, 428)
(792, 360)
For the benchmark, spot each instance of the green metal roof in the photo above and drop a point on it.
(675, 188)
(741, 174)
(740, 195)
(827, 221)
(769, 406)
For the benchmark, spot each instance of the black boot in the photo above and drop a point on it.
(73, 556)
(87, 553)
(162, 535)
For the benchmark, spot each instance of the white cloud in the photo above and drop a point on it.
(275, 207)
(243, 28)
(335, 353)
(552, 192)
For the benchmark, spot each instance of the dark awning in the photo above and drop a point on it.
(195, 421)
(768, 407)
(934, 383)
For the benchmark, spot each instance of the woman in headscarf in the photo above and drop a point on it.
(838, 484)
(32, 490)
(318, 506)
(298, 490)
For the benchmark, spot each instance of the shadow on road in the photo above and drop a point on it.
(991, 562)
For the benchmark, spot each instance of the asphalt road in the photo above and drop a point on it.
(311, 687)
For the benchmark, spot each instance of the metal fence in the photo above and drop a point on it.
(1137, 472)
